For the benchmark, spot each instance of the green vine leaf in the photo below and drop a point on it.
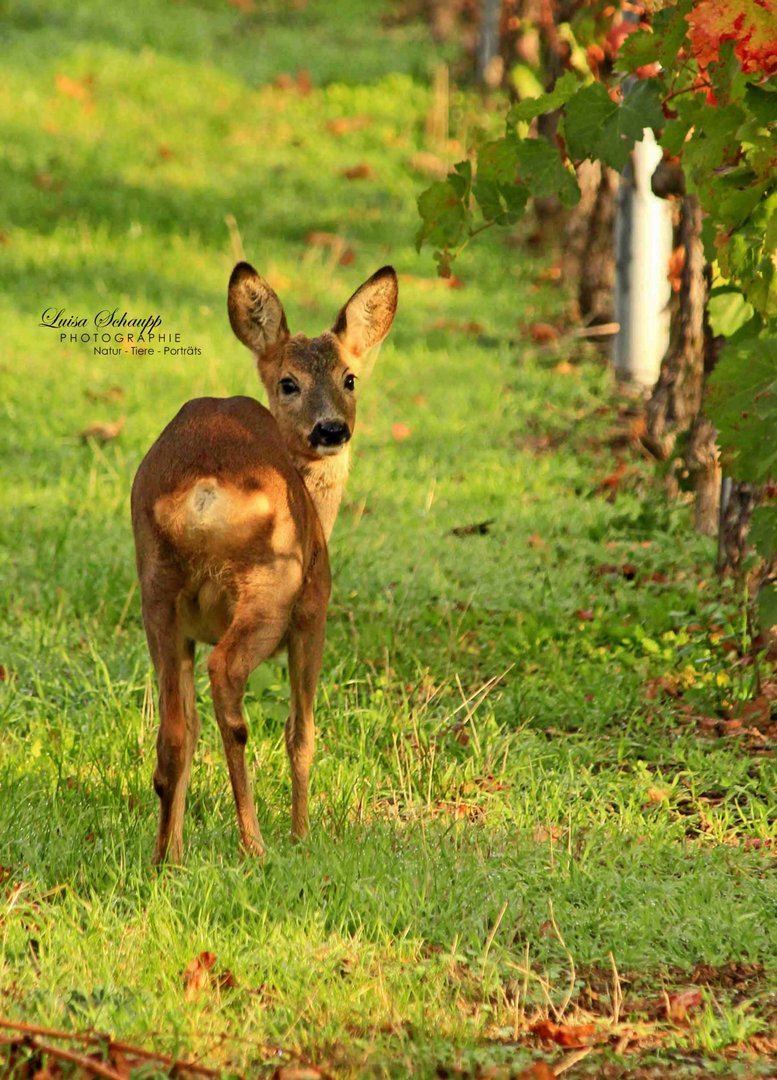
(598, 127)
(741, 402)
(530, 108)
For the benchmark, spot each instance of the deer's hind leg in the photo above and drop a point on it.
(250, 639)
(179, 726)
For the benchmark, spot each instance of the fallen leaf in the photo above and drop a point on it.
(479, 529)
(78, 89)
(543, 333)
(344, 125)
(563, 367)
(196, 976)
(585, 614)
(678, 1005)
(454, 282)
(536, 541)
(663, 684)
(226, 980)
(400, 432)
(248, 7)
(571, 1035)
(757, 712)
(103, 430)
(657, 795)
(362, 171)
(540, 1070)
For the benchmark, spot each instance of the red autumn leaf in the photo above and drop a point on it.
(362, 171)
(678, 1005)
(196, 976)
(584, 614)
(453, 282)
(400, 432)
(574, 1036)
(750, 24)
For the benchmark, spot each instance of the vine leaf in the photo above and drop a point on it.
(598, 127)
(742, 404)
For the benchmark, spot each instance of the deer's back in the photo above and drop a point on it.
(219, 509)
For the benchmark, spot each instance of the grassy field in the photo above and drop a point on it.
(529, 800)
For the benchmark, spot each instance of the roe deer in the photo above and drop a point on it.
(232, 508)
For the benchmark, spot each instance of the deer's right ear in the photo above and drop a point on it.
(255, 312)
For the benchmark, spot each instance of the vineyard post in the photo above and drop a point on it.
(643, 244)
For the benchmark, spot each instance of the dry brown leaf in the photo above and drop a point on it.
(196, 977)
(758, 711)
(573, 1036)
(540, 1070)
(678, 1005)
(362, 171)
(103, 430)
(344, 125)
(543, 333)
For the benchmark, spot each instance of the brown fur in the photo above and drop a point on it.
(232, 508)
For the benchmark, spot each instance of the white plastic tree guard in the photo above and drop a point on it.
(643, 246)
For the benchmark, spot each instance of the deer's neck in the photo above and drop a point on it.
(325, 480)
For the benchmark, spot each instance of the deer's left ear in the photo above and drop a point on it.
(366, 319)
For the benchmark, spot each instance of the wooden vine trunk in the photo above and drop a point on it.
(675, 405)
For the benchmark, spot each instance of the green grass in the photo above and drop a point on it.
(502, 810)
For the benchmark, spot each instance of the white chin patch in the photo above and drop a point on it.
(330, 451)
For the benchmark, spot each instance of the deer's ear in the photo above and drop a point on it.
(366, 319)
(255, 312)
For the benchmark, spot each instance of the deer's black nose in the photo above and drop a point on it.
(330, 433)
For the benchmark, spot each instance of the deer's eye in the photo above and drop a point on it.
(350, 382)
(288, 387)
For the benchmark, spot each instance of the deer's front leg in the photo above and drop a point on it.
(306, 647)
